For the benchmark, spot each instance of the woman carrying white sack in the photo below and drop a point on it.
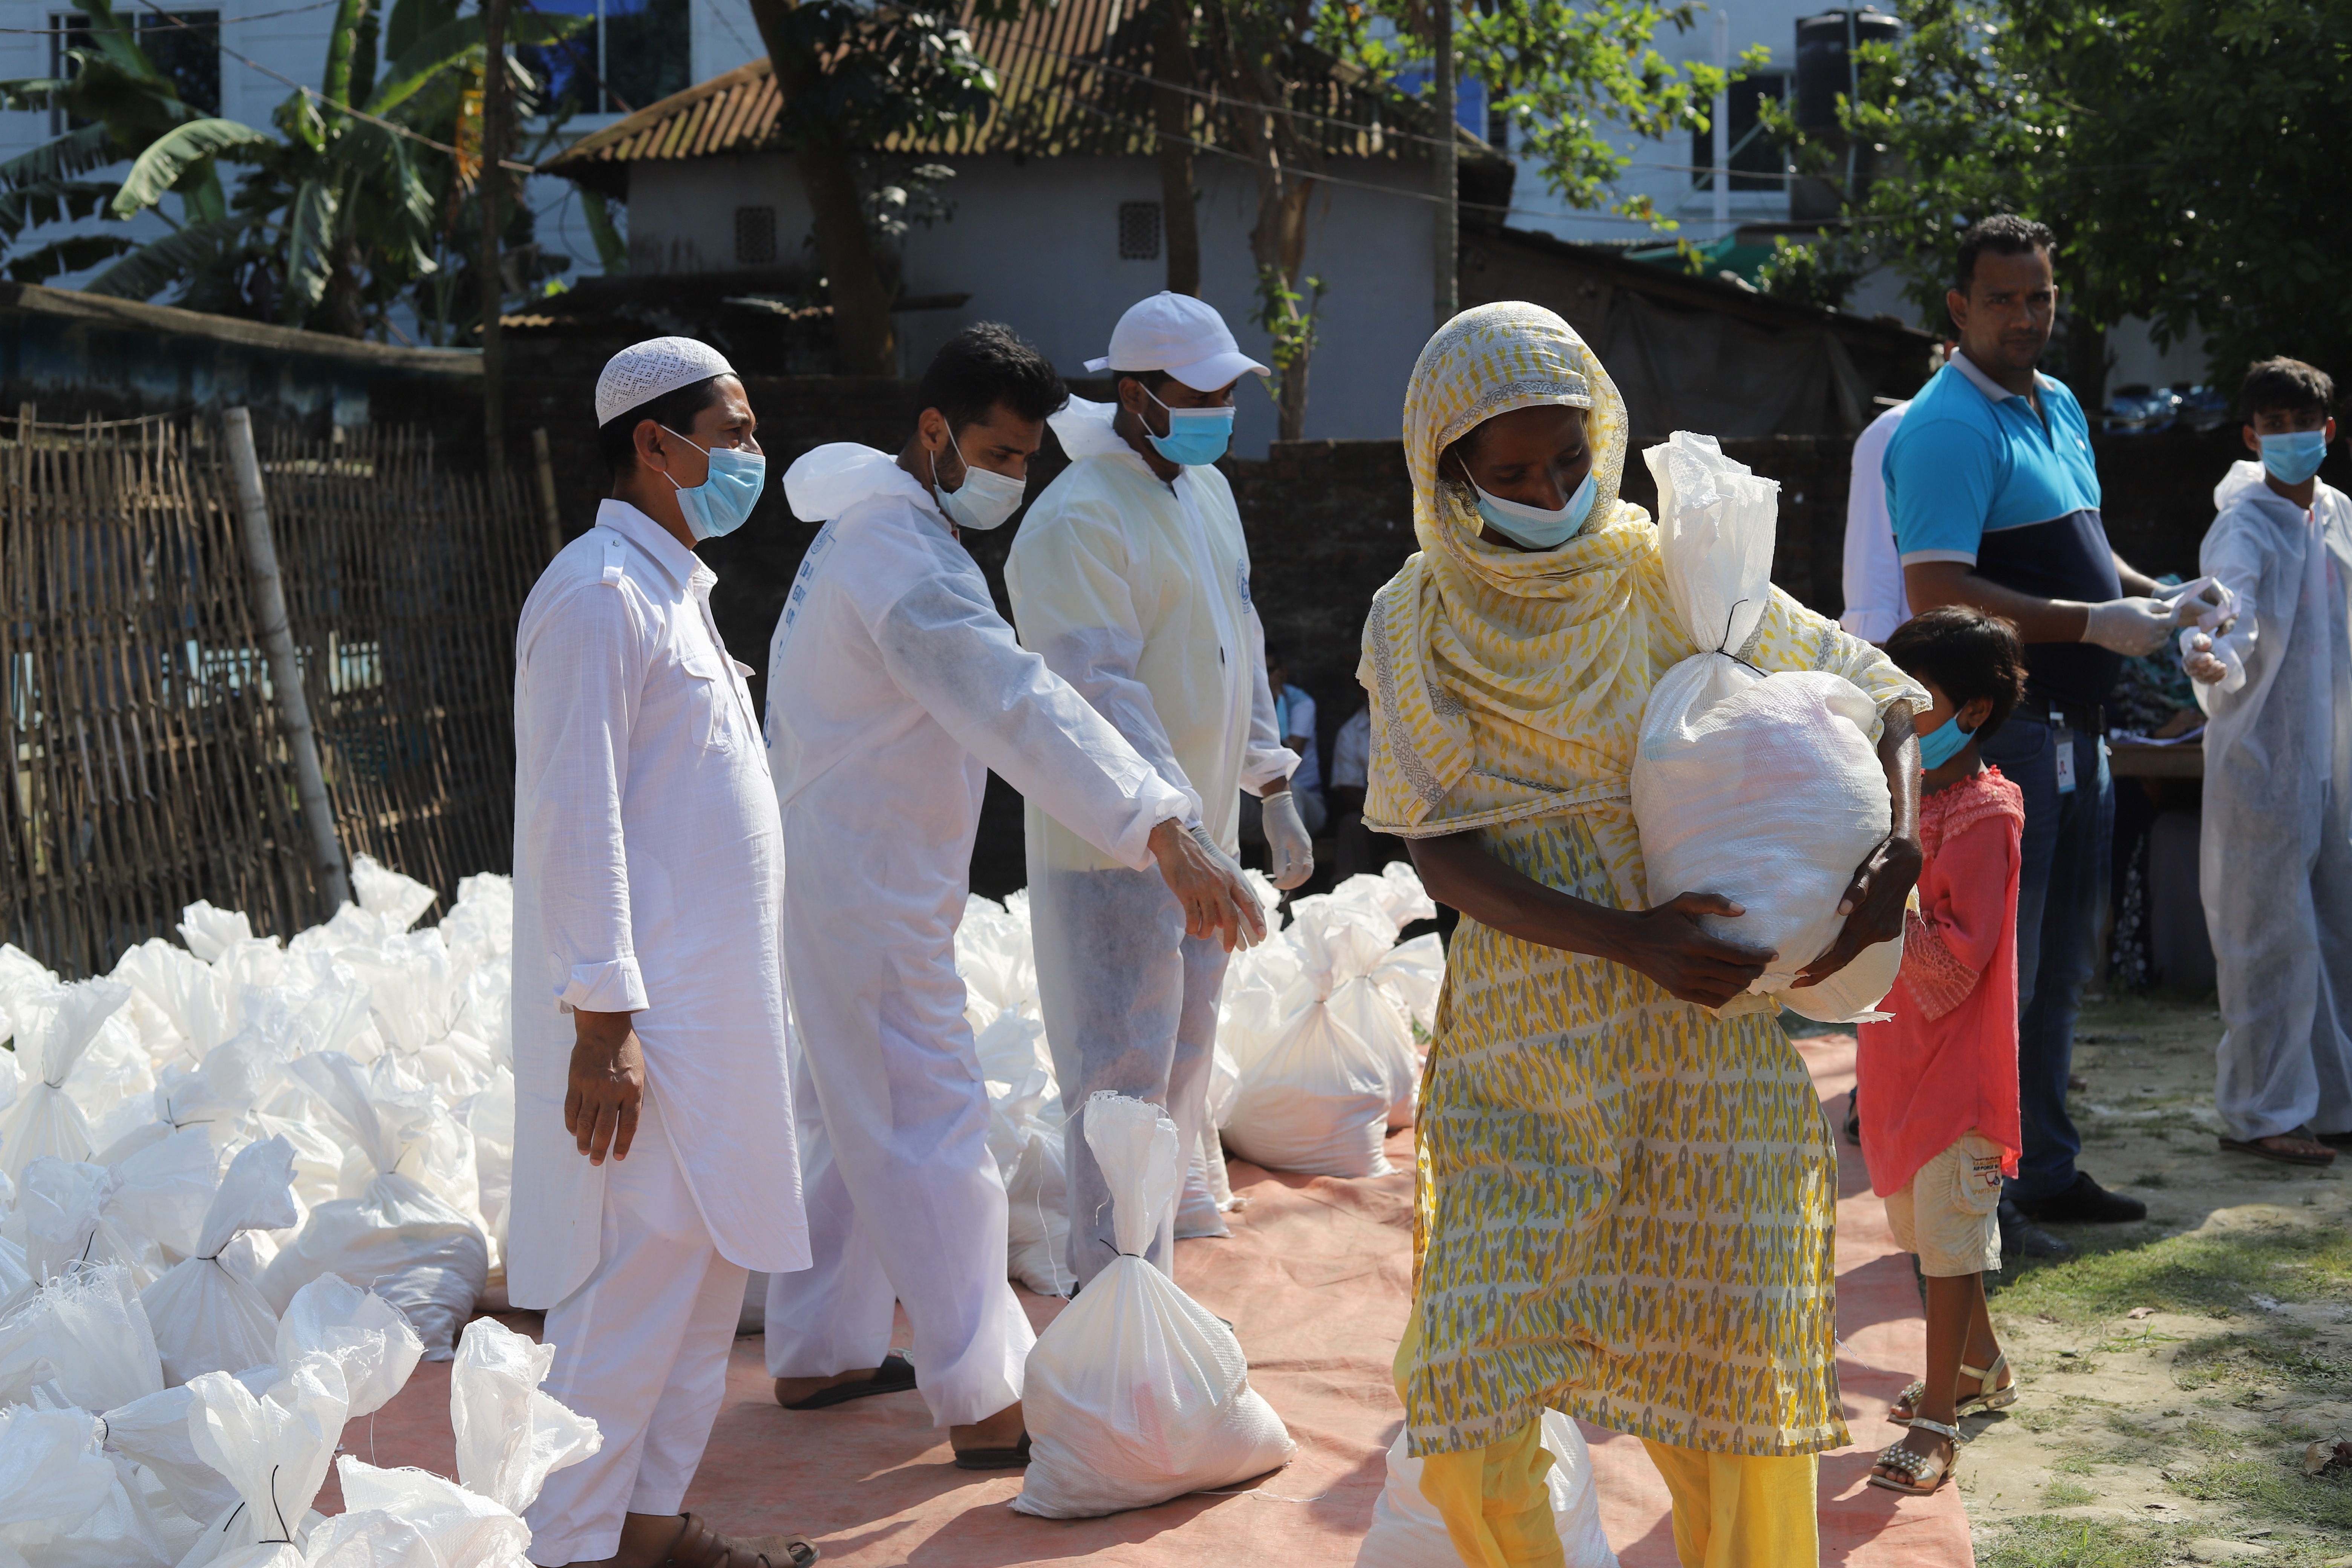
(894, 687)
(1627, 1202)
(1132, 577)
(653, 1157)
(2275, 859)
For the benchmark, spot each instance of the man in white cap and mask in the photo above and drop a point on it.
(654, 1155)
(894, 687)
(1130, 576)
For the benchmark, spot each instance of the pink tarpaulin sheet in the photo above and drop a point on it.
(1316, 1279)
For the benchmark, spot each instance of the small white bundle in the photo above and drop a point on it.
(53, 1030)
(274, 1451)
(1317, 1100)
(206, 1317)
(1766, 789)
(86, 1333)
(62, 1504)
(1137, 1394)
(1409, 1533)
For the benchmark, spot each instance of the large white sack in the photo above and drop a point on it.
(153, 1431)
(85, 1333)
(368, 1336)
(64, 1219)
(1037, 1204)
(53, 1029)
(1318, 1099)
(512, 1434)
(418, 1252)
(275, 1450)
(1135, 1394)
(1766, 789)
(386, 893)
(62, 1501)
(1413, 974)
(415, 1519)
(1376, 1019)
(208, 1318)
(1409, 1533)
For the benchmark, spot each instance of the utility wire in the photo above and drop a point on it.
(84, 29)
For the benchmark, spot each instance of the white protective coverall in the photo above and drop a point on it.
(648, 879)
(1136, 592)
(894, 687)
(2275, 857)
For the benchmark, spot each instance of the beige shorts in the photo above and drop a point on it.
(1948, 1213)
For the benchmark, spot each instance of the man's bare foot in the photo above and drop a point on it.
(2298, 1146)
(645, 1540)
(1002, 1430)
(791, 1391)
(648, 1538)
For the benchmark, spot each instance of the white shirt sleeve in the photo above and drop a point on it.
(953, 653)
(582, 671)
(2233, 555)
(1351, 751)
(1875, 602)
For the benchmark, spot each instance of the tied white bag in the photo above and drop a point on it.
(86, 1333)
(53, 1029)
(1766, 789)
(1409, 1533)
(208, 1318)
(422, 1255)
(1317, 1101)
(274, 1451)
(62, 1503)
(1136, 1395)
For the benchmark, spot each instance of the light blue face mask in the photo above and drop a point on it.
(1195, 436)
(720, 503)
(2295, 455)
(1942, 743)
(1535, 526)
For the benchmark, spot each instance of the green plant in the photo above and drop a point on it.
(2063, 1493)
(1822, 272)
(2211, 1272)
(2041, 1541)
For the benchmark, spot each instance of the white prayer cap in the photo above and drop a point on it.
(643, 372)
(1181, 335)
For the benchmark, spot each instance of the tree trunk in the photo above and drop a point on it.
(492, 184)
(1171, 62)
(864, 341)
(1278, 244)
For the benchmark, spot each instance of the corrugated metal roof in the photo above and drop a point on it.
(1070, 79)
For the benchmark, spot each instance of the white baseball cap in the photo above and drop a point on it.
(643, 371)
(1181, 335)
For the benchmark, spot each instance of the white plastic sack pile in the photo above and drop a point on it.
(206, 1316)
(1765, 789)
(1135, 1394)
(1409, 1533)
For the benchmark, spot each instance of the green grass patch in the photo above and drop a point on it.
(2076, 1464)
(2065, 1493)
(2242, 1358)
(2274, 1487)
(2039, 1541)
(2215, 1273)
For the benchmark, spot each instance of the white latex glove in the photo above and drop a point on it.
(2134, 627)
(1286, 844)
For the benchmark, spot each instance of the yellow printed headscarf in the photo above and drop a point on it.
(1509, 684)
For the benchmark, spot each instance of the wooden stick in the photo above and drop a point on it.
(547, 507)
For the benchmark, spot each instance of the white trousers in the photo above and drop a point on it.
(641, 1348)
(2283, 962)
(904, 1202)
(1131, 1005)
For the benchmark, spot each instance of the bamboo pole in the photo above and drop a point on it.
(285, 670)
(548, 510)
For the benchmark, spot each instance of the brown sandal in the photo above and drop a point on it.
(699, 1546)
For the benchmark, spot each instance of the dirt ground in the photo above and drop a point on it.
(2176, 1372)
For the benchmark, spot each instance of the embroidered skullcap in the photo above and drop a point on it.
(639, 374)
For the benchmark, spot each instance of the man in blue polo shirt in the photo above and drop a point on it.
(1995, 502)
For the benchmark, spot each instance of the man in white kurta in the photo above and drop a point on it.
(894, 687)
(2276, 861)
(1132, 577)
(649, 1013)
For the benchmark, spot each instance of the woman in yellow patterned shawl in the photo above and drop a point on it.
(1626, 1202)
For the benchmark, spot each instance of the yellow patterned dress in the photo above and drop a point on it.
(1625, 1205)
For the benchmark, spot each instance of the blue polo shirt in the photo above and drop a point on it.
(1975, 474)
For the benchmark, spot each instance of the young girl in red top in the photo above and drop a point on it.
(1939, 1124)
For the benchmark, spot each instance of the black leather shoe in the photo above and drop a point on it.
(2084, 1202)
(2021, 1237)
(1854, 1116)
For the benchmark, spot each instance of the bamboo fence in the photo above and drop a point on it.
(147, 765)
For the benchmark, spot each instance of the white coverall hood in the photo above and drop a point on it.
(822, 484)
(1084, 429)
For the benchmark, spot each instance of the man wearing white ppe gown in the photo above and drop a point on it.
(894, 687)
(654, 1158)
(2275, 860)
(1132, 577)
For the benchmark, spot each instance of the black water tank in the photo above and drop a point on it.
(1825, 59)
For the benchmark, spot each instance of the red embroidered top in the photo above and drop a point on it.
(1946, 1064)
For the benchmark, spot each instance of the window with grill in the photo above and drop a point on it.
(1138, 231)
(755, 237)
(630, 53)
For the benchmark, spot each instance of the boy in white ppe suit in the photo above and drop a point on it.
(894, 687)
(1132, 577)
(2275, 862)
(654, 1160)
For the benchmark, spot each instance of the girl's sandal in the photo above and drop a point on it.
(1986, 1400)
(1910, 1396)
(1925, 1474)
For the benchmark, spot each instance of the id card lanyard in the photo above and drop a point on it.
(2062, 735)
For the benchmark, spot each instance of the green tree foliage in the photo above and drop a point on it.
(338, 217)
(2185, 152)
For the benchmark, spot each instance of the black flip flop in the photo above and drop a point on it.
(1011, 1458)
(2248, 1146)
(894, 1375)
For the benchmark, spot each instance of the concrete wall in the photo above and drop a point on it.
(1035, 242)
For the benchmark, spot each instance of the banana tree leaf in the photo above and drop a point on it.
(156, 265)
(50, 201)
(75, 153)
(309, 248)
(173, 154)
(411, 20)
(111, 36)
(457, 43)
(71, 254)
